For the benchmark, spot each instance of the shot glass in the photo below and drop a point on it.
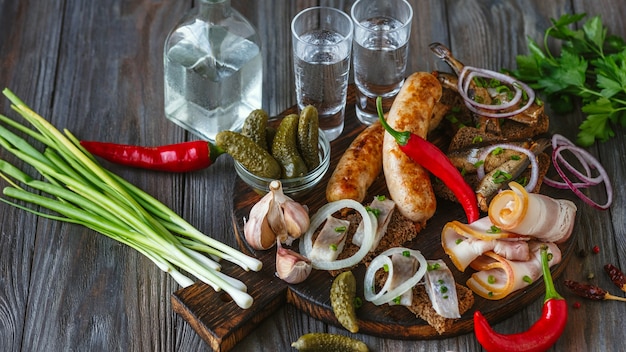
(381, 45)
(322, 45)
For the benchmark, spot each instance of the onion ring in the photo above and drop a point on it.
(534, 166)
(385, 295)
(369, 223)
(466, 76)
(588, 162)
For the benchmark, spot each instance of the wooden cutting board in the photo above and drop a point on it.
(221, 323)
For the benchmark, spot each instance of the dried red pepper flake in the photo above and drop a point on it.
(576, 305)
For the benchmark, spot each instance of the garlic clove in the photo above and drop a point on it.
(257, 230)
(291, 267)
(297, 220)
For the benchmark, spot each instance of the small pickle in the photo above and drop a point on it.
(308, 137)
(325, 342)
(254, 127)
(243, 149)
(342, 295)
(285, 150)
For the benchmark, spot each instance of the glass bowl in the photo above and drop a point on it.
(293, 186)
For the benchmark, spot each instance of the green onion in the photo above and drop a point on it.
(74, 188)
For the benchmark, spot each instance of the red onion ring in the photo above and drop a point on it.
(534, 166)
(588, 162)
(467, 75)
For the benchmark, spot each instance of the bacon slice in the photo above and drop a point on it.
(537, 215)
(463, 243)
(497, 277)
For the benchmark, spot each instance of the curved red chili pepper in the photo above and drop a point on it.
(436, 162)
(541, 335)
(180, 157)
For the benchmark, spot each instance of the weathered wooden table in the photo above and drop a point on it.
(96, 69)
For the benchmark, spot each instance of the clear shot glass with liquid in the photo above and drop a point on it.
(382, 29)
(322, 44)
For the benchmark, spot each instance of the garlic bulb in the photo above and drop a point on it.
(291, 267)
(275, 216)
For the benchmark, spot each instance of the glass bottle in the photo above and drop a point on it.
(213, 70)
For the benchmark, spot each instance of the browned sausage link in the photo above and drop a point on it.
(358, 167)
(616, 276)
(408, 183)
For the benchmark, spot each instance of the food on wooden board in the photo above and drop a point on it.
(542, 334)
(427, 155)
(342, 300)
(358, 167)
(291, 266)
(407, 181)
(275, 216)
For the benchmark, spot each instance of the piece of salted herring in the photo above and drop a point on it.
(330, 241)
(404, 267)
(384, 209)
(441, 289)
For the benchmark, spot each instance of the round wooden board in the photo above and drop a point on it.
(312, 296)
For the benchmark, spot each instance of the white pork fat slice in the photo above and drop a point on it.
(441, 289)
(383, 209)
(404, 267)
(465, 242)
(331, 240)
(542, 217)
(497, 277)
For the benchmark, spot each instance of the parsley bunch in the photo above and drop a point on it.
(591, 67)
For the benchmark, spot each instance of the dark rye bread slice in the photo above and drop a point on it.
(423, 309)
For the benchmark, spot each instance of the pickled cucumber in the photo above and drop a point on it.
(285, 149)
(326, 342)
(308, 136)
(342, 295)
(254, 127)
(254, 158)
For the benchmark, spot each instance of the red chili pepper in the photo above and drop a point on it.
(436, 162)
(543, 334)
(616, 275)
(180, 157)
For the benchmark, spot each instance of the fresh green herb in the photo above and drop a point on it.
(397, 300)
(478, 163)
(501, 176)
(443, 289)
(432, 267)
(527, 279)
(497, 151)
(340, 229)
(358, 302)
(494, 229)
(458, 241)
(76, 189)
(477, 139)
(333, 247)
(374, 211)
(381, 198)
(515, 157)
(491, 279)
(591, 66)
(406, 253)
(386, 268)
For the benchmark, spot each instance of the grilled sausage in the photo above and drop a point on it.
(358, 167)
(408, 183)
